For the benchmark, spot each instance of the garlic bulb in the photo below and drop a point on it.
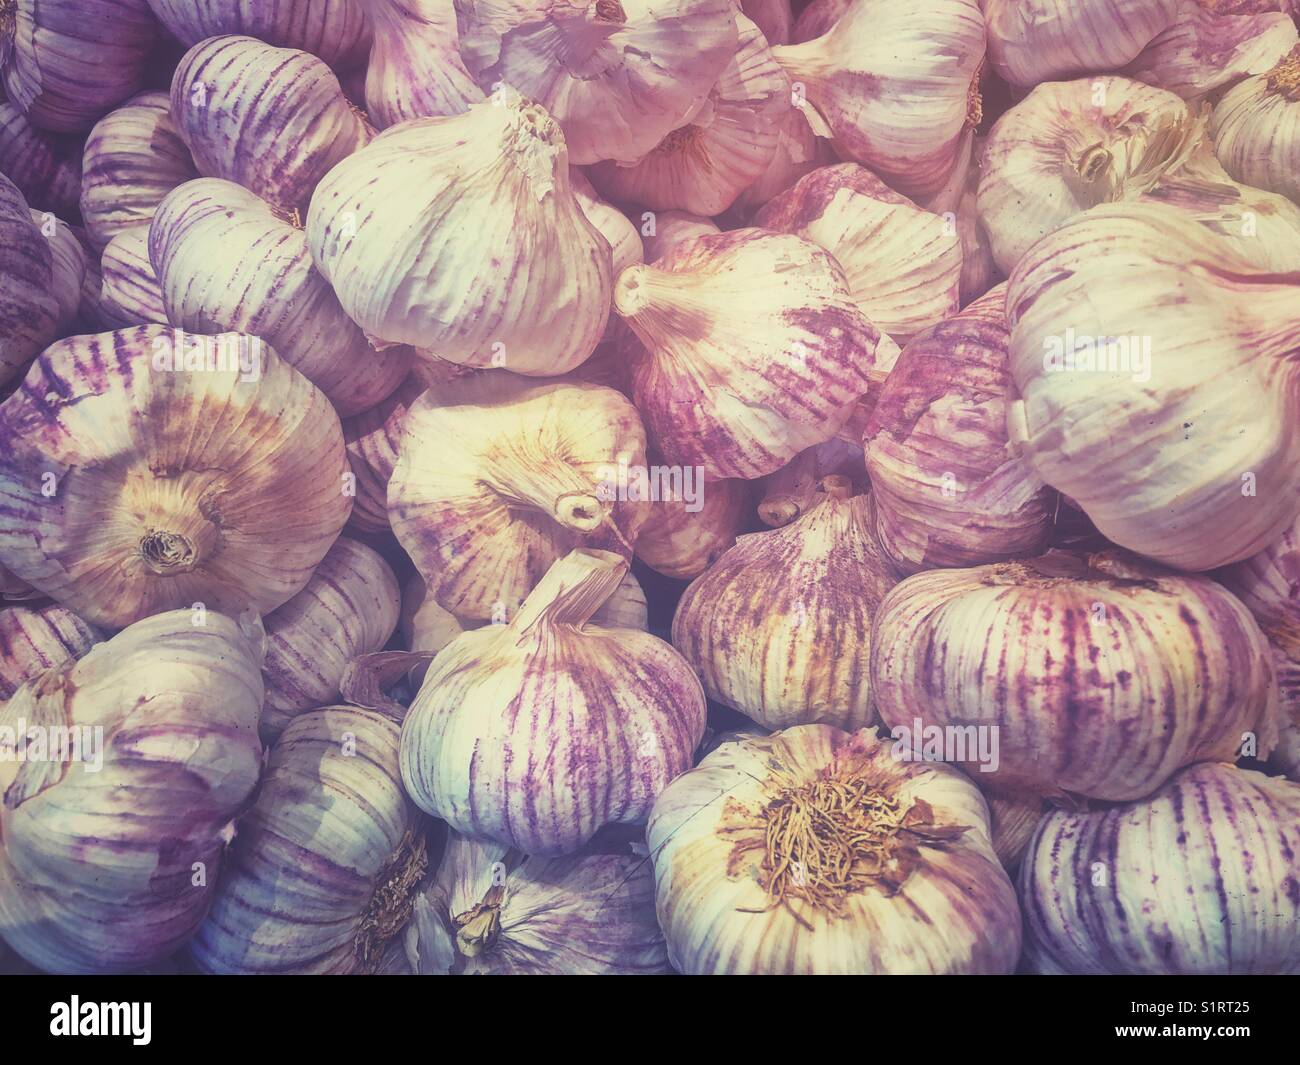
(673, 227)
(1256, 129)
(461, 235)
(903, 264)
(425, 625)
(415, 69)
(750, 350)
(1034, 41)
(130, 293)
(67, 265)
(535, 473)
(46, 167)
(335, 30)
(271, 119)
(756, 625)
(1012, 823)
(617, 75)
(227, 261)
(947, 491)
(163, 756)
(372, 439)
(1071, 145)
(1199, 878)
(65, 65)
(118, 506)
(29, 310)
(349, 608)
(795, 488)
(133, 158)
(623, 238)
(538, 732)
(850, 82)
(35, 639)
(798, 152)
(494, 911)
(704, 165)
(681, 538)
(990, 667)
(1137, 332)
(908, 884)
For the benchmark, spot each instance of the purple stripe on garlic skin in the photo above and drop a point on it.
(130, 294)
(1202, 877)
(46, 167)
(681, 543)
(1256, 129)
(1099, 675)
(68, 262)
(29, 311)
(373, 438)
(36, 639)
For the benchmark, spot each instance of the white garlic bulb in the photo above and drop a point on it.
(35, 639)
(415, 69)
(29, 310)
(667, 228)
(1256, 129)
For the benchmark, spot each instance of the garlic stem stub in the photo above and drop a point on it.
(1256, 129)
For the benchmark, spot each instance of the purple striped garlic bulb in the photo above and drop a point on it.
(163, 754)
(1202, 877)
(746, 349)
(324, 868)
(29, 308)
(129, 290)
(905, 882)
(373, 439)
(68, 268)
(46, 167)
(947, 490)
(1096, 675)
(145, 470)
(500, 476)
(1256, 129)
(274, 120)
(492, 910)
(617, 75)
(1156, 383)
(35, 639)
(851, 84)
(539, 732)
(682, 539)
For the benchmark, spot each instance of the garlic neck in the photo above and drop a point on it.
(1284, 79)
(572, 590)
(659, 307)
(478, 929)
(549, 485)
(532, 142)
(393, 900)
(585, 31)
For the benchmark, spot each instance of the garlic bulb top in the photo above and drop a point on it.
(1200, 878)
(46, 167)
(538, 732)
(34, 639)
(139, 473)
(324, 868)
(1137, 332)
(492, 910)
(271, 119)
(29, 310)
(1096, 675)
(1256, 129)
(461, 235)
(893, 85)
(618, 75)
(903, 880)
(750, 349)
(415, 69)
(162, 755)
(499, 477)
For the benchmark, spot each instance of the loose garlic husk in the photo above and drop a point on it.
(29, 310)
(462, 236)
(748, 349)
(903, 264)
(349, 608)
(728, 145)
(324, 869)
(947, 491)
(617, 75)
(1097, 675)
(682, 538)
(909, 884)
(274, 120)
(35, 639)
(850, 82)
(794, 489)
(535, 473)
(129, 290)
(118, 506)
(164, 756)
(756, 625)
(46, 167)
(539, 732)
(494, 911)
(1137, 333)
(1199, 878)
(799, 151)
(227, 261)
(1256, 129)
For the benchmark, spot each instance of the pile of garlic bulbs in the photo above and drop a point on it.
(600, 486)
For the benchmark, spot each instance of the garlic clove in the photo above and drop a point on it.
(36, 639)
(1256, 129)
(682, 538)
(29, 310)
(1012, 823)
(129, 290)
(45, 167)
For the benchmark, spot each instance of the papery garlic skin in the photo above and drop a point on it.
(903, 264)
(799, 151)
(1199, 878)
(774, 18)
(372, 439)
(673, 227)
(415, 69)
(748, 349)
(953, 912)
(617, 229)
(461, 236)
(535, 474)
(35, 639)
(118, 507)
(425, 625)
(1256, 129)
(539, 732)
(29, 310)
(1171, 668)
(271, 119)
(494, 911)
(892, 85)
(947, 490)
(323, 870)
(617, 75)
(682, 540)
(1178, 439)
(142, 836)
(129, 290)
(817, 18)
(45, 167)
